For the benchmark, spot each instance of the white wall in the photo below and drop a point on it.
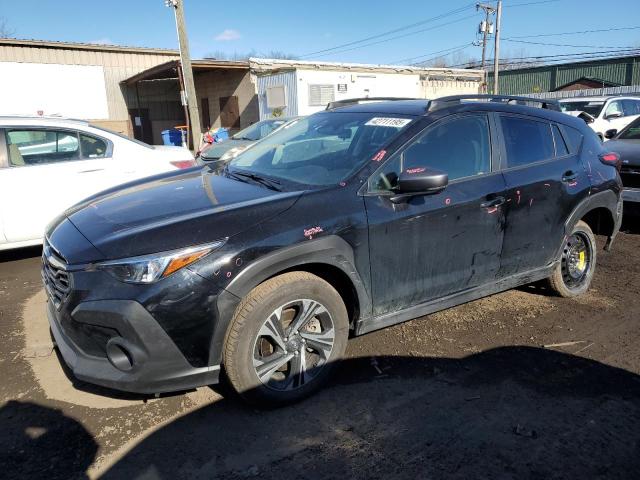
(76, 91)
(359, 84)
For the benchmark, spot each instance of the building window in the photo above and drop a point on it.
(320, 95)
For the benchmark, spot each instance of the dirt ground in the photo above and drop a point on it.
(517, 385)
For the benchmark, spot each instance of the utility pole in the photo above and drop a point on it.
(189, 95)
(486, 28)
(496, 54)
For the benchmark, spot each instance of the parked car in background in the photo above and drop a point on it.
(228, 149)
(392, 211)
(627, 144)
(603, 113)
(49, 164)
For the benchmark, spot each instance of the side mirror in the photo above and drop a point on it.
(611, 115)
(419, 181)
(610, 133)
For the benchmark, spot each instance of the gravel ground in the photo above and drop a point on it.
(518, 385)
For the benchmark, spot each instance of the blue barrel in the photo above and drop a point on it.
(172, 137)
(221, 135)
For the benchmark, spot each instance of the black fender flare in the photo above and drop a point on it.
(331, 250)
(606, 199)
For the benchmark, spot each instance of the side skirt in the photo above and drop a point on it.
(388, 319)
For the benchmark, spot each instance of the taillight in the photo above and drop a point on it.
(611, 158)
(184, 163)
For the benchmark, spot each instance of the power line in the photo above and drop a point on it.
(564, 44)
(423, 62)
(530, 3)
(573, 33)
(565, 57)
(441, 52)
(390, 32)
(399, 36)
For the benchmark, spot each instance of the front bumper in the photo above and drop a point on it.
(156, 364)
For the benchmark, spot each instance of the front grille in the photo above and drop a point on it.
(55, 276)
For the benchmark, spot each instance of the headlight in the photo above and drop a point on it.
(233, 153)
(151, 268)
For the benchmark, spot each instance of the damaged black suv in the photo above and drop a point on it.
(347, 221)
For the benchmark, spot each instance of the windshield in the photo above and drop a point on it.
(322, 149)
(592, 108)
(632, 132)
(259, 130)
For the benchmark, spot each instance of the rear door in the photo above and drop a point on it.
(436, 245)
(49, 169)
(545, 180)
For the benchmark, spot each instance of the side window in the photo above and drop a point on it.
(614, 108)
(526, 141)
(573, 139)
(459, 147)
(92, 147)
(630, 107)
(561, 146)
(36, 147)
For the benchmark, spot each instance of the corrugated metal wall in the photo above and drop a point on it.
(117, 67)
(592, 92)
(288, 79)
(625, 71)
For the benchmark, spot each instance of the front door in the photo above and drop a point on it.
(229, 112)
(141, 124)
(435, 245)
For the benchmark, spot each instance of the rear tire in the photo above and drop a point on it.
(284, 339)
(574, 272)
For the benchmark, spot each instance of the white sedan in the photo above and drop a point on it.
(49, 164)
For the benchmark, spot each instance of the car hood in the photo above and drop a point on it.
(173, 211)
(216, 150)
(629, 150)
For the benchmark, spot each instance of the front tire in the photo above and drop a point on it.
(573, 274)
(284, 339)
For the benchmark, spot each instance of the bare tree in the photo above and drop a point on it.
(5, 30)
(222, 55)
(454, 60)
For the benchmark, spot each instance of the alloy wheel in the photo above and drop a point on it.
(293, 344)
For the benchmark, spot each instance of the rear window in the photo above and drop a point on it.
(561, 146)
(573, 138)
(526, 141)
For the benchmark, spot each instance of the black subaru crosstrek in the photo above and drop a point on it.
(347, 221)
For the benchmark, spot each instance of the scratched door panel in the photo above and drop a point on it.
(540, 197)
(434, 245)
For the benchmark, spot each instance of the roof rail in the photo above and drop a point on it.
(357, 101)
(549, 104)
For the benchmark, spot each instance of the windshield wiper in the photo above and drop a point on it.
(267, 182)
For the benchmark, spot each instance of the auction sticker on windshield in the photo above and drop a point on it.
(388, 122)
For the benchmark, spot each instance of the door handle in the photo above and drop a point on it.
(91, 170)
(494, 202)
(569, 176)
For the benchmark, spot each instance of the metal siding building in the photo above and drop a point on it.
(117, 64)
(546, 78)
(286, 79)
(310, 85)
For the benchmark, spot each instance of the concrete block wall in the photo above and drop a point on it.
(225, 83)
